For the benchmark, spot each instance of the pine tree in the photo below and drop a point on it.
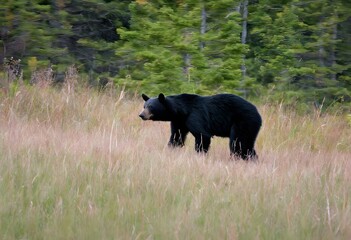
(94, 34)
(320, 23)
(158, 49)
(28, 32)
(223, 48)
(275, 40)
(186, 45)
(295, 45)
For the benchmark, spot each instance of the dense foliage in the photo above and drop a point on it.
(282, 49)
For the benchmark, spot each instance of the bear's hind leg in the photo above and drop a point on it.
(249, 154)
(235, 150)
(241, 146)
(241, 149)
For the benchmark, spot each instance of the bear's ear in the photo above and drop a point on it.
(145, 97)
(161, 98)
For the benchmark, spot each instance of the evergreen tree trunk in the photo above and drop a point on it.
(332, 54)
(203, 25)
(243, 10)
(321, 53)
(186, 68)
(244, 35)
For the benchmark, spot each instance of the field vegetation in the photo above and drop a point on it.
(79, 164)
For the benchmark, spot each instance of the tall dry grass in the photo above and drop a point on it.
(77, 164)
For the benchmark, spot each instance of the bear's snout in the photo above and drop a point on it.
(145, 115)
(142, 116)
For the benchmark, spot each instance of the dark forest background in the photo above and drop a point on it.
(276, 50)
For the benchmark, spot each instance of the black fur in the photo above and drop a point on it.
(223, 115)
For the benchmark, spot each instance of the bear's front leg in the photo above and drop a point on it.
(178, 136)
(202, 143)
(175, 140)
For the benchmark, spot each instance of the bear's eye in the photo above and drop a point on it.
(148, 106)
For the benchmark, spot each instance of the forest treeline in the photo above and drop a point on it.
(289, 50)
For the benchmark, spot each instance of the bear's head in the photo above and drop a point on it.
(155, 109)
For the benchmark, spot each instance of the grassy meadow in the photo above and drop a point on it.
(82, 165)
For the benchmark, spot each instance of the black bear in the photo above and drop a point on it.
(223, 115)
